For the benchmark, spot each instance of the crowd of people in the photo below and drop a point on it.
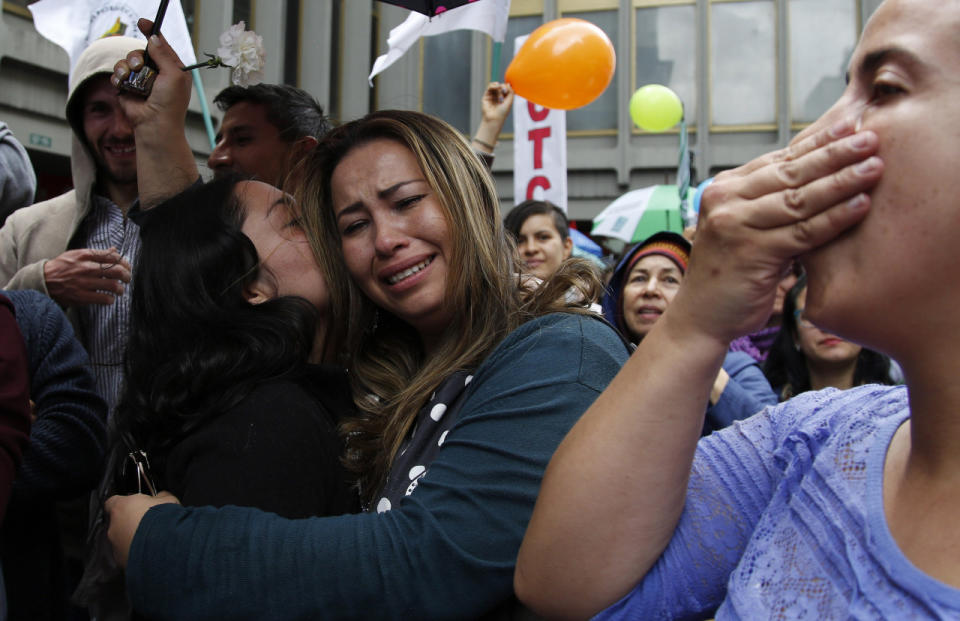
(334, 381)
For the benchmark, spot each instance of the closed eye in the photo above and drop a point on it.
(353, 227)
(409, 201)
(881, 89)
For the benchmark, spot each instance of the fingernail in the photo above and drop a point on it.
(859, 142)
(841, 128)
(868, 165)
(115, 81)
(857, 202)
(155, 40)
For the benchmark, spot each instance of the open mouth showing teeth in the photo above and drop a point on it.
(410, 271)
(122, 150)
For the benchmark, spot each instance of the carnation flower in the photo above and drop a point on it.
(241, 50)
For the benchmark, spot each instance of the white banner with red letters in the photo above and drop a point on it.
(539, 151)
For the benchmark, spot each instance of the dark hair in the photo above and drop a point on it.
(293, 111)
(514, 220)
(196, 346)
(786, 366)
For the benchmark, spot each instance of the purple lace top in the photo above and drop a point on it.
(784, 520)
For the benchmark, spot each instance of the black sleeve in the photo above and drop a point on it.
(278, 451)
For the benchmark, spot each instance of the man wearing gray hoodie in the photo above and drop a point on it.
(78, 247)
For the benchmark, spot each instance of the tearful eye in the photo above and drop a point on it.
(886, 89)
(409, 201)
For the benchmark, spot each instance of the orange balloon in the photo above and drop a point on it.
(564, 64)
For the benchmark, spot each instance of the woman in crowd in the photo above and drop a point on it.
(542, 233)
(642, 287)
(465, 381)
(229, 327)
(804, 357)
(225, 399)
(835, 504)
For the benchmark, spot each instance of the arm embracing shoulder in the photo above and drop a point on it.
(448, 551)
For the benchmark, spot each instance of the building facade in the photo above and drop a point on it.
(751, 73)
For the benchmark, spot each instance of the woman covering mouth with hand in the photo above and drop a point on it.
(643, 286)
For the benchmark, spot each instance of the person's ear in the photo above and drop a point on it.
(257, 292)
(302, 146)
(567, 247)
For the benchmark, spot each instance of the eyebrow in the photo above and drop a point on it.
(384, 193)
(283, 200)
(232, 130)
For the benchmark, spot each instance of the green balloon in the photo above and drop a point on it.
(655, 108)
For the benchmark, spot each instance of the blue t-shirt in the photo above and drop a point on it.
(784, 520)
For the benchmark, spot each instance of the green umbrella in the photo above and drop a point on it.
(639, 214)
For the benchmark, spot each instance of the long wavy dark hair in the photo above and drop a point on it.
(786, 366)
(196, 346)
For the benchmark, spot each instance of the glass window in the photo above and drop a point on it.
(242, 11)
(446, 77)
(823, 34)
(743, 63)
(602, 112)
(189, 12)
(291, 44)
(333, 109)
(516, 27)
(667, 53)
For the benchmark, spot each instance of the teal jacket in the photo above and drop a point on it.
(448, 551)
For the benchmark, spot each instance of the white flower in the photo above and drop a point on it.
(241, 50)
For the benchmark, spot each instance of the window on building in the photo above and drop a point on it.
(666, 51)
(291, 44)
(446, 77)
(242, 10)
(743, 61)
(336, 26)
(189, 12)
(823, 34)
(601, 114)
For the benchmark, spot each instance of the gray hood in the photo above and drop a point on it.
(99, 57)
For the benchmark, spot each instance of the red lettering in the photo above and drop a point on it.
(537, 182)
(538, 135)
(536, 113)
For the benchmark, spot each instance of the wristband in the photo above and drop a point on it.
(484, 144)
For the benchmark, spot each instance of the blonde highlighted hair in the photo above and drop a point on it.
(391, 378)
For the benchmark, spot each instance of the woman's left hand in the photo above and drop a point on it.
(125, 514)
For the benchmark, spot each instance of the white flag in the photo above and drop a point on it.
(489, 16)
(74, 24)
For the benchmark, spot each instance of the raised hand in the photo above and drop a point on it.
(755, 219)
(495, 106)
(165, 162)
